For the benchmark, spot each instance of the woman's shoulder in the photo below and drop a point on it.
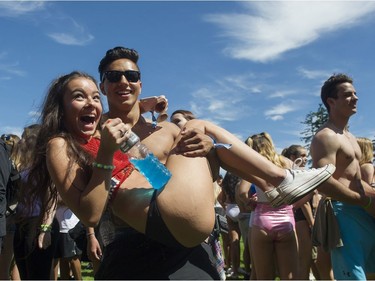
(369, 167)
(56, 144)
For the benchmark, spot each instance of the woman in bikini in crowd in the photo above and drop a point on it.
(273, 235)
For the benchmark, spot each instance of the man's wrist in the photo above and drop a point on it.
(45, 228)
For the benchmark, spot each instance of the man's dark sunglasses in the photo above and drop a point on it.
(114, 76)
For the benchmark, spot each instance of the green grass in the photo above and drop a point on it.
(240, 277)
(87, 273)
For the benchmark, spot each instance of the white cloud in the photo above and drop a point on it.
(266, 30)
(319, 75)
(70, 39)
(217, 103)
(34, 116)
(314, 74)
(240, 81)
(235, 97)
(77, 34)
(12, 69)
(208, 101)
(245, 83)
(278, 111)
(276, 117)
(73, 33)
(19, 8)
(283, 94)
(8, 70)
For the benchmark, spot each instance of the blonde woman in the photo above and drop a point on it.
(367, 167)
(273, 235)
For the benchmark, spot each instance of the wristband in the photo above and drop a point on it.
(45, 228)
(220, 145)
(115, 184)
(89, 234)
(102, 166)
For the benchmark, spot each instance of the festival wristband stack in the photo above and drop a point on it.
(45, 228)
(220, 145)
(103, 166)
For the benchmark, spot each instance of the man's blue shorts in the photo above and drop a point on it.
(357, 256)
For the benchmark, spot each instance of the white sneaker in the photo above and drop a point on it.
(274, 197)
(302, 183)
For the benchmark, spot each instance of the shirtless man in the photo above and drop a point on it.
(124, 104)
(120, 82)
(333, 143)
(169, 217)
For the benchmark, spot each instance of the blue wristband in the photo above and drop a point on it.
(220, 145)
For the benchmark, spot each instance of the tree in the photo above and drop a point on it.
(313, 121)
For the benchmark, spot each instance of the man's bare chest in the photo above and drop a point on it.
(348, 155)
(160, 141)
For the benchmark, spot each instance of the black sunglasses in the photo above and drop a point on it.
(114, 76)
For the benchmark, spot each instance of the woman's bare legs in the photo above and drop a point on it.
(324, 265)
(186, 203)
(240, 158)
(287, 256)
(234, 240)
(243, 161)
(262, 254)
(304, 249)
(253, 275)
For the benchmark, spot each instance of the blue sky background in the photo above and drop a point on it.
(249, 66)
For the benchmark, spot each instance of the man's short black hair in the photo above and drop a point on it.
(115, 54)
(329, 89)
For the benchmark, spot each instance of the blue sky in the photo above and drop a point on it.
(248, 66)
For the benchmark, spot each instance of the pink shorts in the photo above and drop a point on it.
(276, 222)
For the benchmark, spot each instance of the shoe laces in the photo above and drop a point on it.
(297, 164)
(301, 170)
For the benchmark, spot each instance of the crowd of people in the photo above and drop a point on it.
(81, 196)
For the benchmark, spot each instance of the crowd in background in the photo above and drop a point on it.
(251, 238)
(235, 222)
